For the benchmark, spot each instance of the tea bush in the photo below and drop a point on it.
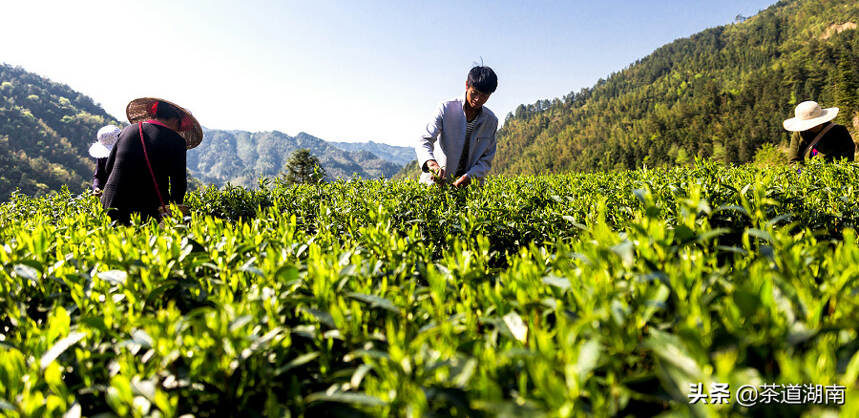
(564, 295)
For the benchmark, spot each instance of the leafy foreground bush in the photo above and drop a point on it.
(602, 294)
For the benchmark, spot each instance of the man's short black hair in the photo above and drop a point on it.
(483, 79)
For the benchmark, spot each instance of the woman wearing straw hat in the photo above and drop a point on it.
(100, 150)
(147, 166)
(815, 135)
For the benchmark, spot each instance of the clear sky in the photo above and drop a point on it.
(339, 70)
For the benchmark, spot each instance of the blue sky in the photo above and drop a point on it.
(339, 70)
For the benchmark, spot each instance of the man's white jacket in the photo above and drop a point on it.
(444, 137)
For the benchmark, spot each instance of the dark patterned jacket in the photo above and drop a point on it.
(99, 178)
(129, 188)
(837, 143)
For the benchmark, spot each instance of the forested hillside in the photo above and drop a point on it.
(719, 94)
(45, 130)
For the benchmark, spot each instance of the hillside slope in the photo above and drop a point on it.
(45, 131)
(719, 94)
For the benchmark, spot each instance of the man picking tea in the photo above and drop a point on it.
(465, 133)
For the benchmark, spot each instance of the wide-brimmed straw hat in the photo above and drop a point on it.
(808, 115)
(141, 110)
(105, 139)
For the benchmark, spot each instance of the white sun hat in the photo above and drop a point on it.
(107, 136)
(808, 115)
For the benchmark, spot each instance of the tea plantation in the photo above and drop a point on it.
(608, 294)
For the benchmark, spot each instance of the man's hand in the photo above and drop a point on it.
(437, 171)
(462, 181)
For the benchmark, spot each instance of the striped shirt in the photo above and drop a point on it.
(463, 160)
(443, 139)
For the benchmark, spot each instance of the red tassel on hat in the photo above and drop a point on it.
(154, 109)
(186, 124)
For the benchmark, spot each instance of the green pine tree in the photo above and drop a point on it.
(846, 88)
(303, 167)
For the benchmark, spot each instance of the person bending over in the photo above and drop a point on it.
(459, 141)
(100, 150)
(147, 166)
(815, 135)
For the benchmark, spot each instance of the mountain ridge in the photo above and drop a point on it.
(241, 158)
(46, 128)
(720, 94)
(397, 154)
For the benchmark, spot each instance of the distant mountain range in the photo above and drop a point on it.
(398, 155)
(241, 158)
(720, 94)
(46, 129)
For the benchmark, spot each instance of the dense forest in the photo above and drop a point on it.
(45, 130)
(721, 94)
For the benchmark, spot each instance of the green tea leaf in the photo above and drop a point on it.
(26, 272)
(59, 348)
(589, 355)
(516, 326)
(374, 301)
(354, 398)
(298, 361)
(113, 276)
(560, 282)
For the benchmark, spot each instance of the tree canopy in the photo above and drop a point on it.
(45, 131)
(720, 94)
(303, 167)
